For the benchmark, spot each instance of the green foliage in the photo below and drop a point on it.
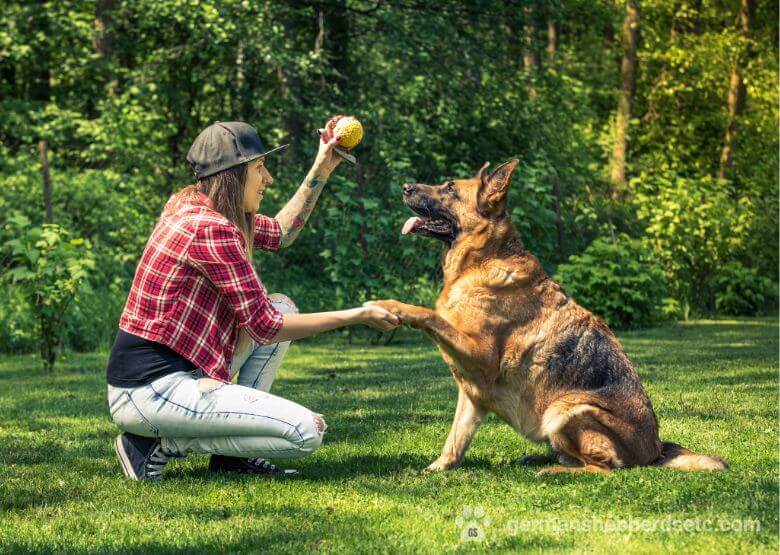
(621, 282)
(48, 268)
(694, 226)
(17, 334)
(118, 90)
(740, 290)
(92, 321)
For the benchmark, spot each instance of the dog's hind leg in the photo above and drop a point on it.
(584, 442)
(467, 418)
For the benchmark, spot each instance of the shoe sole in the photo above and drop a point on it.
(124, 461)
(280, 475)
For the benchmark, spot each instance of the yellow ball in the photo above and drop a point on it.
(350, 130)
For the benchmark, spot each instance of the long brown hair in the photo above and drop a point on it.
(226, 191)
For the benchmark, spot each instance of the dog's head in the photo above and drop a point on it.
(458, 207)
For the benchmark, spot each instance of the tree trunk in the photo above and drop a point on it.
(103, 41)
(629, 67)
(737, 95)
(552, 40)
(531, 57)
(103, 45)
(49, 217)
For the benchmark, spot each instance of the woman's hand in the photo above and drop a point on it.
(327, 160)
(374, 316)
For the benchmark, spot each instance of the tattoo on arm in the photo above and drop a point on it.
(296, 212)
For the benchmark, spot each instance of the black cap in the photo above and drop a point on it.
(225, 144)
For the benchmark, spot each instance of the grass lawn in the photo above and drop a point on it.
(714, 385)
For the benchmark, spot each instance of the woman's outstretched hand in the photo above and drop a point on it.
(374, 316)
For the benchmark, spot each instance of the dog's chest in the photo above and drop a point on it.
(470, 305)
(502, 383)
(509, 394)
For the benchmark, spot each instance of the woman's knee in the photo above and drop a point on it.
(312, 432)
(283, 303)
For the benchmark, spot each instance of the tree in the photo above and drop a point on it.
(629, 66)
(532, 59)
(737, 96)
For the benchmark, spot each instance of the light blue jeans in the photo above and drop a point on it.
(196, 414)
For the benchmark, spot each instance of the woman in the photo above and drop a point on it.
(178, 346)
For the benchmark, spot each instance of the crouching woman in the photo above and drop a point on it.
(197, 315)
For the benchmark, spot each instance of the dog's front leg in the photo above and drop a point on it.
(415, 316)
(465, 423)
(430, 323)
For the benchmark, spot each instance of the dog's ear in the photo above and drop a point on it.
(494, 187)
(482, 170)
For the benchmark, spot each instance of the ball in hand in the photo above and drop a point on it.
(350, 130)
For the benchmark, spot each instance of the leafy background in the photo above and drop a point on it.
(119, 89)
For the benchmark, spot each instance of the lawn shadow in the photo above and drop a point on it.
(344, 468)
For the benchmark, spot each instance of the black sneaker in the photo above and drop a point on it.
(221, 463)
(141, 458)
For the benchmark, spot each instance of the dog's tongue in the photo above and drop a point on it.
(410, 224)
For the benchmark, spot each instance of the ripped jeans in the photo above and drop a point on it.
(196, 414)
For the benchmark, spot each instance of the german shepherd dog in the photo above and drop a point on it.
(519, 346)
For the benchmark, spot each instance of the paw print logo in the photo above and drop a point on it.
(471, 523)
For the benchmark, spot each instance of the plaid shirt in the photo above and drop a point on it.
(194, 285)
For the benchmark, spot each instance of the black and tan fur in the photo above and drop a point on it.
(520, 347)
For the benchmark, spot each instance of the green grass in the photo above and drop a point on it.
(714, 385)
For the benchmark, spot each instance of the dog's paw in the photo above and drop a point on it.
(441, 465)
(392, 306)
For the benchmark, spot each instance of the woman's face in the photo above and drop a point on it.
(257, 179)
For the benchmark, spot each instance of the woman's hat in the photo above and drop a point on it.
(225, 144)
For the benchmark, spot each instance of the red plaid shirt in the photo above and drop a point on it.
(194, 285)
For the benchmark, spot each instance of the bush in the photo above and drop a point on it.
(620, 282)
(48, 268)
(741, 291)
(93, 321)
(17, 334)
(695, 227)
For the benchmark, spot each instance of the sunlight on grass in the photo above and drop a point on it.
(713, 385)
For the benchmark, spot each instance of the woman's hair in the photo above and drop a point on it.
(226, 191)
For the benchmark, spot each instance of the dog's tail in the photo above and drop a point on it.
(679, 458)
